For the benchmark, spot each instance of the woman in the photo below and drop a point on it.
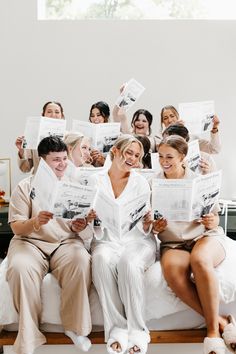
(99, 113)
(193, 248)
(28, 159)
(43, 243)
(79, 149)
(170, 115)
(206, 163)
(119, 263)
(140, 124)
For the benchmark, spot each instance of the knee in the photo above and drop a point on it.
(101, 261)
(199, 262)
(174, 274)
(80, 261)
(21, 267)
(129, 266)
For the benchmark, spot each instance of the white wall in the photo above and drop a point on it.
(79, 63)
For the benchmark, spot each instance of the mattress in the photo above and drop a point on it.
(164, 310)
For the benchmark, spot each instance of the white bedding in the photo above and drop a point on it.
(163, 311)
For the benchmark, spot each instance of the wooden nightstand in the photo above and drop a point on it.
(5, 231)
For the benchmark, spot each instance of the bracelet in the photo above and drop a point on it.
(35, 228)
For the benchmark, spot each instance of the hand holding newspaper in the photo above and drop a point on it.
(120, 218)
(132, 91)
(38, 128)
(103, 135)
(64, 199)
(185, 199)
(197, 116)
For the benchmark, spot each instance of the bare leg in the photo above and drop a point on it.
(205, 256)
(176, 268)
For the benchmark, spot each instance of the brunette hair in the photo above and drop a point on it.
(103, 109)
(176, 129)
(51, 144)
(53, 102)
(146, 160)
(176, 142)
(146, 113)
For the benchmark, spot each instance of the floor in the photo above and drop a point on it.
(100, 349)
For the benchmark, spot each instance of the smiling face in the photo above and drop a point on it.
(141, 125)
(58, 162)
(80, 152)
(130, 157)
(53, 110)
(96, 116)
(171, 161)
(85, 150)
(169, 117)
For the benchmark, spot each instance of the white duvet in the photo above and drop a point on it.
(160, 300)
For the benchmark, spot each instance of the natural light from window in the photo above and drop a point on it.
(136, 9)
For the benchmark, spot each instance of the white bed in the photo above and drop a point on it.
(164, 311)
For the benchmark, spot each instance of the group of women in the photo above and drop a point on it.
(189, 250)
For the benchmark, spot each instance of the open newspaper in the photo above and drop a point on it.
(64, 199)
(103, 135)
(185, 199)
(132, 91)
(120, 218)
(197, 116)
(38, 128)
(81, 175)
(193, 156)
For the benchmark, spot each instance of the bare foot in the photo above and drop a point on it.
(116, 347)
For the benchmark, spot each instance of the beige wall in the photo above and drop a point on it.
(79, 63)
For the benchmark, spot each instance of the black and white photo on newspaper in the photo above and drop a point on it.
(193, 156)
(120, 218)
(185, 199)
(197, 116)
(103, 135)
(132, 91)
(37, 128)
(61, 197)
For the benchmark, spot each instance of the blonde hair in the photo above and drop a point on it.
(123, 143)
(73, 138)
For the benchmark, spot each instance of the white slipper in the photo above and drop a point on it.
(139, 339)
(216, 345)
(81, 342)
(229, 334)
(120, 336)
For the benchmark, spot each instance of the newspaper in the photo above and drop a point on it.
(132, 91)
(120, 218)
(197, 116)
(81, 175)
(103, 135)
(38, 128)
(193, 156)
(185, 199)
(64, 199)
